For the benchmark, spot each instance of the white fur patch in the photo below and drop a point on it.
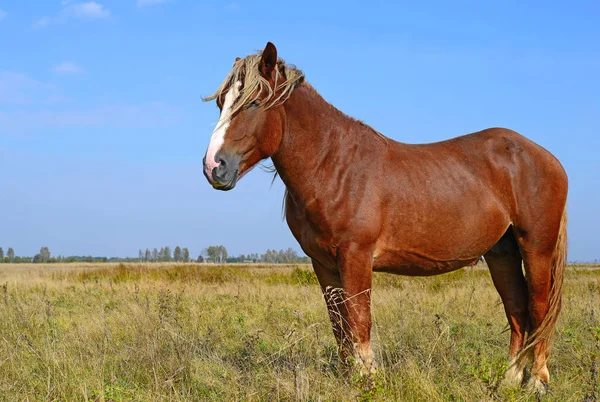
(218, 136)
(514, 375)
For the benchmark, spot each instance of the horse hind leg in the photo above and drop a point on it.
(544, 258)
(539, 281)
(505, 264)
(538, 274)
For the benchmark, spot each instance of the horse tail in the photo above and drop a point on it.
(546, 329)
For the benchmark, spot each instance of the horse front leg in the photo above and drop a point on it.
(333, 293)
(354, 267)
(354, 263)
(347, 292)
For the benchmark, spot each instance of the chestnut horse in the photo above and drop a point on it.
(359, 202)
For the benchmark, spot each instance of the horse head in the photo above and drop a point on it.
(252, 119)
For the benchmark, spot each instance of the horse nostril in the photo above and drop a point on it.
(224, 171)
(217, 174)
(220, 161)
(220, 171)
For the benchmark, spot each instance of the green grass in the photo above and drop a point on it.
(145, 332)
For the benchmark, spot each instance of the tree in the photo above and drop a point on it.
(154, 254)
(1, 253)
(186, 255)
(211, 251)
(216, 253)
(269, 256)
(165, 254)
(221, 254)
(10, 254)
(140, 256)
(291, 255)
(147, 255)
(177, 254)
(45, 254)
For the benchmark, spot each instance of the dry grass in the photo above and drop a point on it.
(199, 332)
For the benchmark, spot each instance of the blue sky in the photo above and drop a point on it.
(102, 127)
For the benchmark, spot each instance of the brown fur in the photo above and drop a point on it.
(357, 204)
(546, 330)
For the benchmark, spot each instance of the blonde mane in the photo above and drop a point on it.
(246, 70)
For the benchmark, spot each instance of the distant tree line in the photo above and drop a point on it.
(10, 255)
(218, 254)
(164, 255)
(214, 254)
(288, 256)
(44, 256)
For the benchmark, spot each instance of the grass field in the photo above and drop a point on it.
(151, 332)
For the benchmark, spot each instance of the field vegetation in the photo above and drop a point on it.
(187, 332)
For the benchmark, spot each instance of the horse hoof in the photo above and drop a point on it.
(513, 377)
(537, 386)
(364, 369)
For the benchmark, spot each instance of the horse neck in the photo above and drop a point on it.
(318, 139)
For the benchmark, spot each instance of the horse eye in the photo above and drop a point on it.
(253, 104)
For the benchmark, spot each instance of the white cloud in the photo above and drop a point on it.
(27, 104)
(70, 10)
(18, 88)
(67, 68)
(89, 10)
(143, 3)
(2, 14)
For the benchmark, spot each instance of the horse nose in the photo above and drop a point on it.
(222, 173)
(219, 173)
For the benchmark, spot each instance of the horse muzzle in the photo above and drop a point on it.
(224, 173)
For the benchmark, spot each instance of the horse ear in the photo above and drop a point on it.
(268, 60)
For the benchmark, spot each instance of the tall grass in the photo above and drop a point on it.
(141, 332)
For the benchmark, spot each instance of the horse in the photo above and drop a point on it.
(358, 202)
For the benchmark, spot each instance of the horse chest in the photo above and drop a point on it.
(313, 231)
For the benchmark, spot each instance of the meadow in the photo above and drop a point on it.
(177, 332)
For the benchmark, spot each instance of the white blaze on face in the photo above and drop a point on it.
(218, 136)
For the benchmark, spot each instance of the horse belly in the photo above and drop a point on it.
(431, 248)
(403, 263)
